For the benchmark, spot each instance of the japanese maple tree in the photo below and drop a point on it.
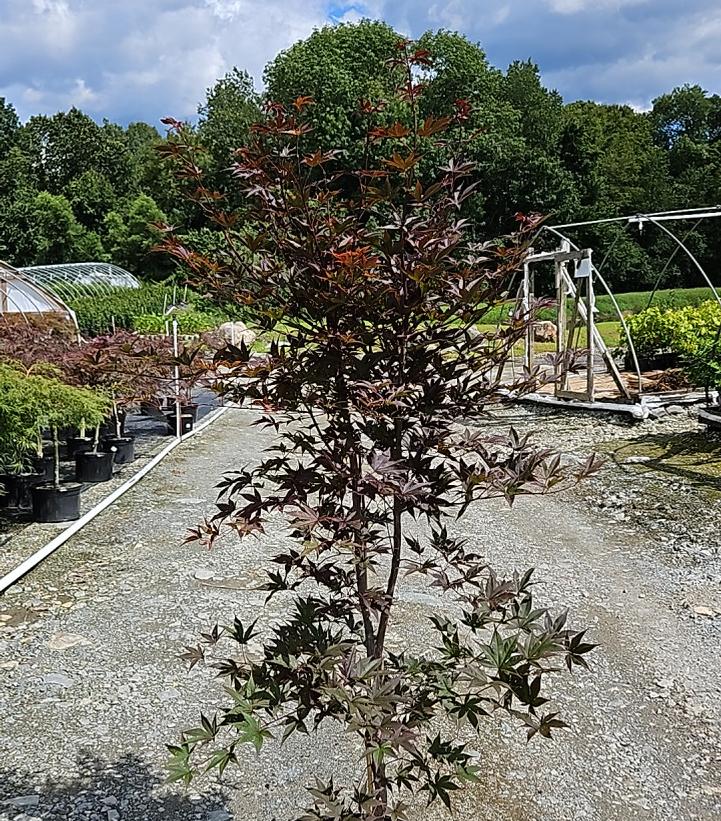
(372, 281)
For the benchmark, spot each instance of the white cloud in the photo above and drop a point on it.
(130, 59)
(137, 58)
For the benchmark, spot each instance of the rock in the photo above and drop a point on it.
(544, 331)
(204, 575)
(702, 610)
(113, 815)
(22, 801)
(64, 641)
(58, 680)
(169, 695)
(637, 460)
(234, 332)
(219, 815)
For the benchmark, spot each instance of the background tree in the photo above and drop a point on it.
(338, 66)
(9, 126)
(231, 107)
(581, 160)
(131, 236)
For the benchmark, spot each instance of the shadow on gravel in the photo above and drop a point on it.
(127, 790)
(695, 457)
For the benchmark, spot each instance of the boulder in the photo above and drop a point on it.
(544, 331)
(234, 332)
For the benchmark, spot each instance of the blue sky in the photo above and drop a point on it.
(143, 59)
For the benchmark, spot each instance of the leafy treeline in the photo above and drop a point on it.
(71, 189)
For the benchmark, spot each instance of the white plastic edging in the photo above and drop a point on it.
(58, 541)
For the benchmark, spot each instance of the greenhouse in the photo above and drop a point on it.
(21, 295)
(79, 279)
(50, 289)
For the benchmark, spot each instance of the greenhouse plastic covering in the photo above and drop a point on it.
(79, 279)
(20, 295)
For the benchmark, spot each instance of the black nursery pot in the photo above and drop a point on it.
(44, 465)
(94, 467)
(4, 490)
(186, 423)
(19, 487)
(189, 409)
(56, 504)
(78, 444)
(121, 447)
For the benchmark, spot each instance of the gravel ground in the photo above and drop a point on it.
(91, 688)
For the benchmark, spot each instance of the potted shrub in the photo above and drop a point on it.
(18, 436)
(124, 367)
(63, 405)
(94, 465)
(704, 370)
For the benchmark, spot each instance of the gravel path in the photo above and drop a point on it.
(91, 688)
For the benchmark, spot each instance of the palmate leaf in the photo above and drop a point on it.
(178, 766)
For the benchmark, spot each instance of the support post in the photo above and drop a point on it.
(591, 338)
(526, 302)
(178, 414)
(561, 369)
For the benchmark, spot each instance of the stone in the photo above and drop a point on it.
(22, 801)
(204, 575)
(170, 694)
(58, 680)
(637, 460)
(234, 332)
(702, 610)
(219, 815)
(544, 331)
(113, 815)
(64, 641)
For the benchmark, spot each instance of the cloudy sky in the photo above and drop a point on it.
(143, 59)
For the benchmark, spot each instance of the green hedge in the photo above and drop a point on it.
(189, 322)
(692, 333)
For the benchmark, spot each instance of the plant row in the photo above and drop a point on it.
(64, 399)
(145, 310)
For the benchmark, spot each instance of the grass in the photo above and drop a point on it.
(630, 303)
(611, 333)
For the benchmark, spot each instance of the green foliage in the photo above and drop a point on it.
(231, 107)
(693, 333)
(9, 126)
(338, 66)
(189, 322)
(142, 309)
(33, 402)
(131, 235)
(532, 153)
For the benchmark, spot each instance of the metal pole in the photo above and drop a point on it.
(590, 321)
(528, 347)
(178, 415)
